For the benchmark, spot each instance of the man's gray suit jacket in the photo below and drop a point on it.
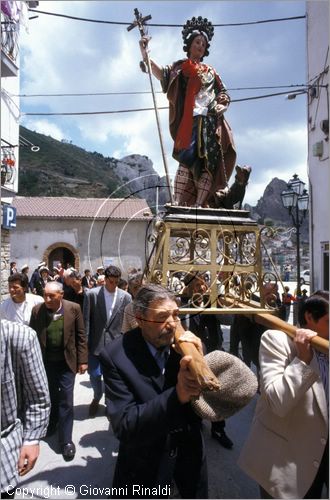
(96, 318)
(25, 401)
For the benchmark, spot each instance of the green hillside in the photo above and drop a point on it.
(62, 169)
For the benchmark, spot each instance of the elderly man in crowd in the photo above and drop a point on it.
(18, 307)
(25, 403)
(148, 388)
(287, 450)
(61, 333)
(103, 314)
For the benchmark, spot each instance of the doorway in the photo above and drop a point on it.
(63, 255)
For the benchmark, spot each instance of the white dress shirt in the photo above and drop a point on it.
(20, 312)
(110, 300)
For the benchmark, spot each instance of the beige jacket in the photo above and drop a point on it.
(289, 430)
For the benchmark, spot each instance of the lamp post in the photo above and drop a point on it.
(296, 200)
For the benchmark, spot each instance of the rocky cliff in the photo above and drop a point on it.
(270, 210)
(139, 177)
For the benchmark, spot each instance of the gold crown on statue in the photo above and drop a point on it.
(198, 25)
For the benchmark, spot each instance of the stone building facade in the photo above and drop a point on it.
(81, 233)
(5, 259)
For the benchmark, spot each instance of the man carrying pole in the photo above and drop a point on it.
(287, 450)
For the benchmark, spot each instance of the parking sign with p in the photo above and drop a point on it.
(8, 217)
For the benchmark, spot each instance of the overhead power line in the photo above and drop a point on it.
(73, 113)
(295, 92)
(148, 92)
(123, 23)
(86, 94)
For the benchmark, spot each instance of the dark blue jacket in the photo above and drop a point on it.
(150, 422)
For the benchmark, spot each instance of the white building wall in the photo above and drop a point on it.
(318, 110)
(10, 88)
(122, 244)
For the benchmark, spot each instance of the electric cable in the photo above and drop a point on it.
(122, 23)
(318, 84)
(139, 92)
(75, 113)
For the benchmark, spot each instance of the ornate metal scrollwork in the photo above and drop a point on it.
(248, 249)
(201, 245)
(227, 245)
(156, 277)
(212, 265)
(270, 290)
(180, 250)
(228, 300)
(160, 226)
(250, 285)
(237, 248)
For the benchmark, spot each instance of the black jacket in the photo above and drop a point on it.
(150, 422)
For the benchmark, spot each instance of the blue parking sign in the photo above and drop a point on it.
(9, 217)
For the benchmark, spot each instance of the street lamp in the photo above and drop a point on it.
(296, 200)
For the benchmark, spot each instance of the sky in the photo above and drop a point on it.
(65, 56)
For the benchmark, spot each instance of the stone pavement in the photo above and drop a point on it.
(90, 473)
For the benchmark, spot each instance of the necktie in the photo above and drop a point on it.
(161, 358)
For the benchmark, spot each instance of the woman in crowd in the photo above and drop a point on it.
(43, 279)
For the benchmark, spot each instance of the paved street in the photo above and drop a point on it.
(95, 458)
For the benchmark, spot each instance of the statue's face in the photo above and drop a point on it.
(197, 48)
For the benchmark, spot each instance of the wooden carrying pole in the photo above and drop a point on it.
(275, 323)
(199, 368)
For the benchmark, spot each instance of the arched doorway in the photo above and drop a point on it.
(64, 253)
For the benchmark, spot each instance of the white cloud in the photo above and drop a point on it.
(254, 191)
(274, 152)
(280, 147)
(47, 128)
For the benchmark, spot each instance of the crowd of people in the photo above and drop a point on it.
(124, 337)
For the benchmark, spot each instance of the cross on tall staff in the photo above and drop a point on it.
(140, 23)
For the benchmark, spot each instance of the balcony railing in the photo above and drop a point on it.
(9, 37)
(8, 165)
